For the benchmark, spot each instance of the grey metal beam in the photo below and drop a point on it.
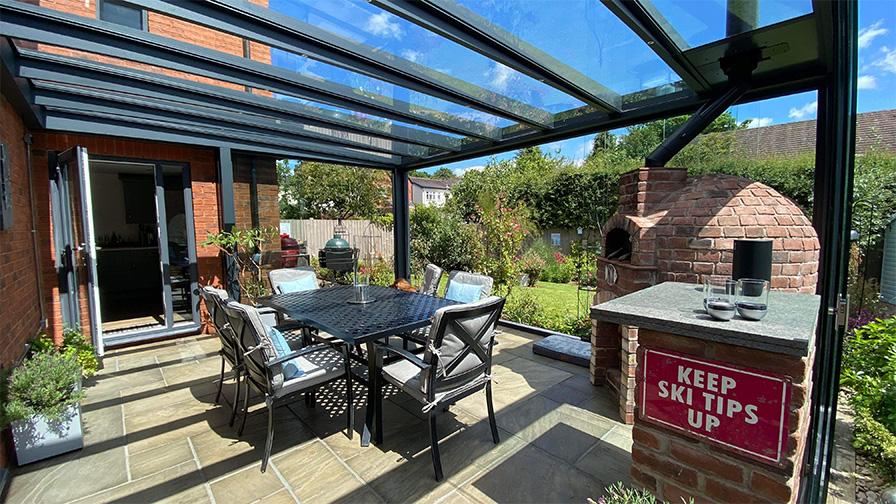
(16, 89)
(660, 36)
(401, 225)
(228, 218)
(92, 106)
(105, 124)
(266, 26)
(54, 94)
(457, 23)
(593, 122)
(57, 28)
(36, 65)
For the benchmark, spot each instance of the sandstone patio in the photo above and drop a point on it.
(154, 433)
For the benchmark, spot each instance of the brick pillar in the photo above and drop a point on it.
(673, 465)
(628, 356)
(604, 350)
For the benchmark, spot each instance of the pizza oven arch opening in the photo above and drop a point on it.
(618, 245)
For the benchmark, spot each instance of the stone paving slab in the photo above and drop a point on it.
(154, 433)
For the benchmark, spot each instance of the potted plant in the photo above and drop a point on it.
(42, 404)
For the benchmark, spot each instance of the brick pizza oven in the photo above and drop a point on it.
(670, 227)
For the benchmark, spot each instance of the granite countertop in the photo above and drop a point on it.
(677, 308)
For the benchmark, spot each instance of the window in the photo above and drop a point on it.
(5, 189)
(121, 13)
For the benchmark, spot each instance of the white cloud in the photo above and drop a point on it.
(381, 24)
(759, 122)
(460, 172)
(866, 82)
(888, 61)
(411, 55)
(499, 76)
(869, 33)
(807, 110)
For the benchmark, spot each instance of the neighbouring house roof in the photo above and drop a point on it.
(873, 130)
(429, 183)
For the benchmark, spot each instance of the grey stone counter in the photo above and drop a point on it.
(677, 308)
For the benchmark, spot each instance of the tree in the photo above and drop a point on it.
(326, 191)
(642, 139)
(443, 173)
(418, 174)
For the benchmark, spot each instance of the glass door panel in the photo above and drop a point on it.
(179, 259)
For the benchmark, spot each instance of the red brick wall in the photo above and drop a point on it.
(18, 279)
(20, 313)
(674, 466)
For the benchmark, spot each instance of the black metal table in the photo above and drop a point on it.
(331, 309)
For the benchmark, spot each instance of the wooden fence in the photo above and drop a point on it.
(361, 234)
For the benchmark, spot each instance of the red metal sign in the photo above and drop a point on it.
(741, 409)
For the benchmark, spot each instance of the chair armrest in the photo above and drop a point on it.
(405, 354)
(296, 353)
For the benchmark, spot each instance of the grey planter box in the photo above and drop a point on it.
(37, 438)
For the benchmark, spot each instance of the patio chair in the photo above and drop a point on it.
(463, 287)
(432, 275)
(296, 279)
(215, 299)
(282, 373)
(456, 362)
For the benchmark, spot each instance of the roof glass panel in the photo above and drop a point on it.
(582, 34)
(388, 94)
(382, 124)
(700, 22)
(367, 24)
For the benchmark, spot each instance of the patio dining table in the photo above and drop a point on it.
(333, 310)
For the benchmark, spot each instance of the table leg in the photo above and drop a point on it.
(371, 391)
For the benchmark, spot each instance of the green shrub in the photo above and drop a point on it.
(442, 239)
(73, 344)
(869, 372)
(381, 272)
(45, 384)
(559, 269)
(876, 442)
(524, 307)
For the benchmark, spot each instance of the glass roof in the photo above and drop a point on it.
(366, 24)
(382, 91)
(427, 80)
(584, 35)
(700, 22)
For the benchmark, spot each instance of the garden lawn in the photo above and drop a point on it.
(559, 299)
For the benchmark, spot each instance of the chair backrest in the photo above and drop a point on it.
(471, 278)
(255, 346)
(432, 275)
(280, 276)
(459, 346)
(215, 300)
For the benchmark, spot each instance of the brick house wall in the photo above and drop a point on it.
(20, 320)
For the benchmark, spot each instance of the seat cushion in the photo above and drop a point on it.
(463, 292)
(291, 368)
(303, 283)
(317, 367)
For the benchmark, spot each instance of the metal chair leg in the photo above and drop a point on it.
(491, 412)
(434, 440)
(378, 398)
(220, 382)
(237, 374)
(245, 408)
(270, 441)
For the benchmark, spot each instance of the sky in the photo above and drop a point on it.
(593, 42)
